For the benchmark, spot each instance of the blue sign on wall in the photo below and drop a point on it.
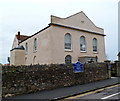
(78, 67)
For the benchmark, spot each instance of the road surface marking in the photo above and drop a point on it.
(88, 93)
(84, 94)
(110, 95)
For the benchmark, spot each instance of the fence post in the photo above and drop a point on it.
(109, 68)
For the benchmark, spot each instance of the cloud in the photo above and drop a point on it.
(30, 16)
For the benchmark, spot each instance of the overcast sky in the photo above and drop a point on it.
(30, 16)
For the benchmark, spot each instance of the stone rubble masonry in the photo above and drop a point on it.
(33, 78)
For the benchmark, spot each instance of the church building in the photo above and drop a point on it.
(64, 40)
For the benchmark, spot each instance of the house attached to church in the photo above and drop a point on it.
(64, 40)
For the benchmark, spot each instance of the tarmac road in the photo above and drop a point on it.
(111, 92)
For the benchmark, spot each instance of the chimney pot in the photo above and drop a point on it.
(19, 33)
(18, 36)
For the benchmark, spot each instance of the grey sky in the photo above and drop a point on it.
(30, 16)
(119, 27)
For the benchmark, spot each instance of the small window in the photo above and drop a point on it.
(35, 44)
(25, 60)
(67, 40)
(68, 59)
(26, 47)
(94, 45)
(34, 60)
(82, 43)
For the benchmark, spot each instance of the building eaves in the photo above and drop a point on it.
(96, 33)
(36, 33)
(18, 48)
(22, 37)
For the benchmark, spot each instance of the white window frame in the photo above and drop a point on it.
(83, 44)
(68, 49)
(95, 45)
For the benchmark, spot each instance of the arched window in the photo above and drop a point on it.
(67, 40)
(26, 47)
(94, 45)
(68, 59)
(82, 43)
(35, 44)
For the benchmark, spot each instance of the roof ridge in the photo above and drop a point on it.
(23, 35)
(74, 14)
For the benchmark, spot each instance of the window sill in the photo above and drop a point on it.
(83, 51)
(68, 50)
(95, 52)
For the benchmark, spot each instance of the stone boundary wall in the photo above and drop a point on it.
(29, 79)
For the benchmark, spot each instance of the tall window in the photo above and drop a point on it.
(94, 45)
(67, 40)
(82, 43)
(26, 47)
(35, 44)
(68, 59)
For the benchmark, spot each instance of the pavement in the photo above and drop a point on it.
(59, 93)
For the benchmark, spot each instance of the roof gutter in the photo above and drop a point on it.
(97, 33)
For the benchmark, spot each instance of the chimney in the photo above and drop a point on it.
(18, 37)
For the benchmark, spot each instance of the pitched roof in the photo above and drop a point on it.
(22, 37)
(18, 48)
(78, 20)
(27, 37)
(92, 32)
(63, 24)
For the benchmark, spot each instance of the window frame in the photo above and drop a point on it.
(95, 45)
(70, 59)
(35, 45)
(26, 47)
(70, 44)
(81, 43)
